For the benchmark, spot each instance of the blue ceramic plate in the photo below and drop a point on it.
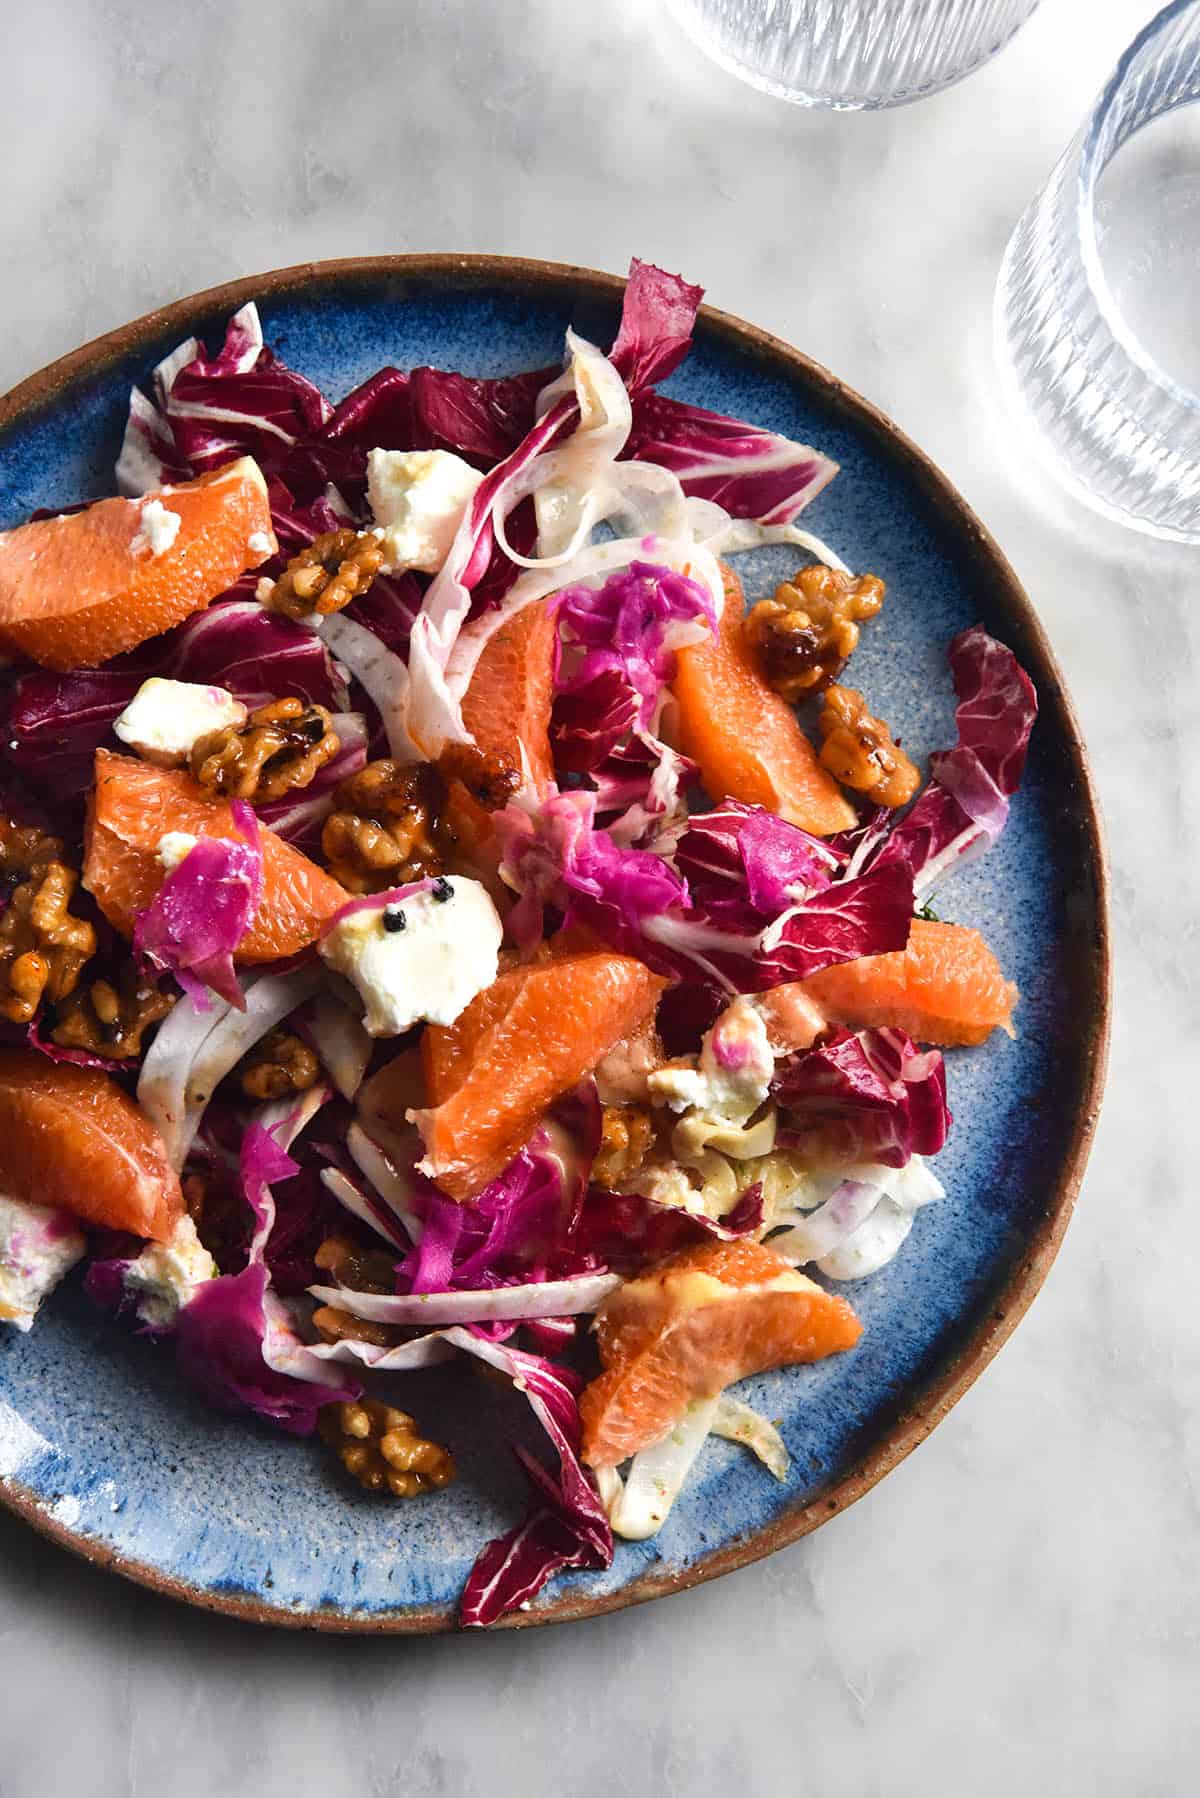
(101, 1447)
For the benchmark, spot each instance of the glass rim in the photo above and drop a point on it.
(1088, 176)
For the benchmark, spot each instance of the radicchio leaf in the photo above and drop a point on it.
(865, 1096)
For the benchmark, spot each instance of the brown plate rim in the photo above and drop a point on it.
(944, 1390)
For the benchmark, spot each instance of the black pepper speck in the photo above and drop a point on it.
(442, 890)
(394, 918)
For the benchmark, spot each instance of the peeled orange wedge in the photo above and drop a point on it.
(745, 737)
(526, 1040)
(690, 1327)
(78, 589)
(70, 1137)
(506, 708)
(133, 805)
(946, 987)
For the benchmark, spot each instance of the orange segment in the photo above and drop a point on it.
(79, 589)
(690, 1327)
(946, 987)
(519, 1046)
(134, 804)
(69, 1136)
(506, 708)
(745, 737)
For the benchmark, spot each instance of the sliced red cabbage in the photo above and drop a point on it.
(869, 1096)
(202, 911)
(620, 641)
(748, 472)
(964, 808)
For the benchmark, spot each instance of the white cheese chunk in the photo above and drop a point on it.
(165, 717)
(38, 1245)
(733, 1075)
(173, 847)
(424, 958)
(157, 529)
(166, 1275)
(418, 498)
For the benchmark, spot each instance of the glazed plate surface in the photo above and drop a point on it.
(100, 1445)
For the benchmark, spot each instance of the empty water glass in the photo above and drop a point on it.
(851, 54)
(1096, 306)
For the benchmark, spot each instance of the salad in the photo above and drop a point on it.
(441, 923)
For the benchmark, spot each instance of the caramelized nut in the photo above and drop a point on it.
(280, 1064)
(858, 750)
(381, 832)
(807, 633)
(627, 1133)
(333, 570)
(279, 747)
(381, 1448)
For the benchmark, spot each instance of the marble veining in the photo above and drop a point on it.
(1017, 1604)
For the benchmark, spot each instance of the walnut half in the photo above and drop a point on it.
(381, 1448)
(334, 569)
(43, 946)
(807, 633)
(280, 747)
(858, 750)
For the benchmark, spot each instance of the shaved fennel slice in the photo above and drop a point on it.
(739, 534)
(864, 1223)
(167, 1065)
(657, 1474)
(360, 1206)
(492, 1304)
(391, 1180)
(740, 1422)
(194, 1051)
(380, 673)
(422, 1351)
(340, 1041)
(592, 564)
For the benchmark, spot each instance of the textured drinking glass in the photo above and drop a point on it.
(1098, 303)
(851, 54)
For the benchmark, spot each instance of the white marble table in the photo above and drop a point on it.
(1017, 1608)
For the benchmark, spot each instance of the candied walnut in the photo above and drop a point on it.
(43, 947)
(195, 1195)
(627, 1133)
(333, 1324)
(858, 750)
(381, 1448)
(111, 1020)
(808, 632)
(333, 570)
(280, 746)
(489, 776)
(280, 1064)
(381, 831)
(362, 1270)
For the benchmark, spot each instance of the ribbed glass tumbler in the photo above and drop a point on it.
(1098, 303)
(851, 54)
